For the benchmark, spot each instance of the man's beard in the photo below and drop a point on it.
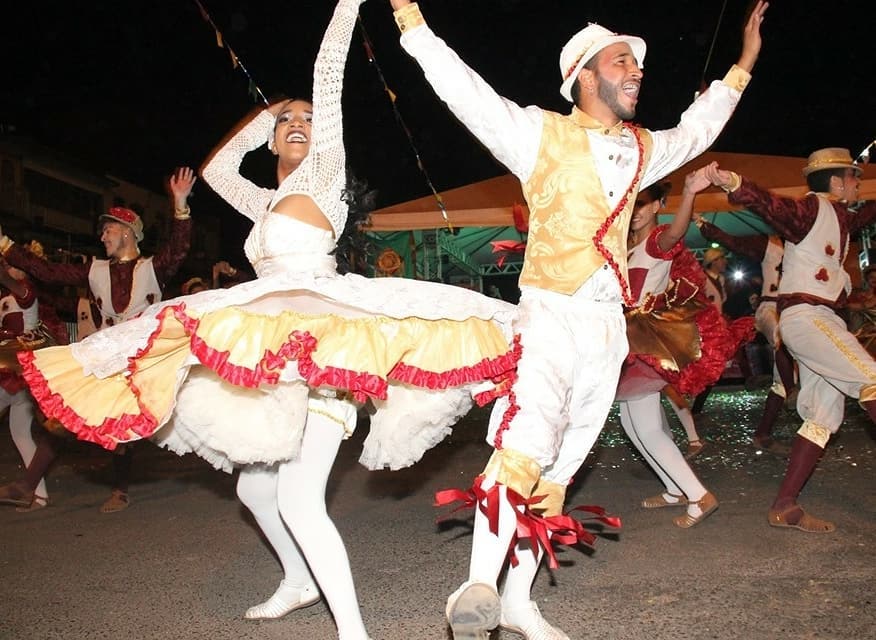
(608, 93)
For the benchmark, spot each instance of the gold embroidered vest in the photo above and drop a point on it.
(568, 208)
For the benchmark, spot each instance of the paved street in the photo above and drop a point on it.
(184, 561)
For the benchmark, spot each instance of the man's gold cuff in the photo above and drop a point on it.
(735, 183)
(408, 17)
(737, 78)
(513, 469)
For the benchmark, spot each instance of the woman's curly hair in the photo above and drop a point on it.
(354, 249)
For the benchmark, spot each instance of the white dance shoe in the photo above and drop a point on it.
(529, 623)
(473, 610)
(285, 599)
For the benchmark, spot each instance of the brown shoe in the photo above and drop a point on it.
(694, 448)
(806, 522)
(117, 501)
(39, 502)
(16, 494)
(768, 445)
(707, 504)
(659, 501)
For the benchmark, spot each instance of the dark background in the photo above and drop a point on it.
(133, 88)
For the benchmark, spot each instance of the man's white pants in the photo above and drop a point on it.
(831, 361)
(573, 349)
(766, 321)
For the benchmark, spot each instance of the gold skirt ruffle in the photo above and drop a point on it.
(356, 356)
(669, 335)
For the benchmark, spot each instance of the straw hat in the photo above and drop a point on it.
(711, 254)
(830, 158)
(587, 43)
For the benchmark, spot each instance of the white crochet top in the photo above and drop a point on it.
(322, 174)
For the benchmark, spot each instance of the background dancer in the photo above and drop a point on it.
(676, 335)
(20, 328)
(122, 286)
(831, 362)
(768, 250)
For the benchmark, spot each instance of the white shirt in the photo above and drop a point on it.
(513, 133)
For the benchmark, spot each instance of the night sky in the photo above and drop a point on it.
(135, 87)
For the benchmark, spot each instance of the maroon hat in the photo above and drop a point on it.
(126, 217)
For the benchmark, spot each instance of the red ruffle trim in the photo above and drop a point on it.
(544, 532)
(717, 346)
(505, 388)
(653, 249)
(505, 381)
(299, 347)
(685, 267)
(719, 340)
(53, 406)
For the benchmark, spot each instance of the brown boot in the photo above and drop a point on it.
(772, 406)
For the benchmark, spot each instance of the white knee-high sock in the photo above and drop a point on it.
(646, 421)
(518, 582)
(20, 420)
(629, 428)
(257, 490)
(301, 493)
(489, 551)
(685, 417)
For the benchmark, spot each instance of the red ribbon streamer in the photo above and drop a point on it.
(539, 530)
(508, 247)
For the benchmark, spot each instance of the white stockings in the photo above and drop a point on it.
(20, 418)
(257, 490)
(288, 502)
(301, 492)
(644, 422)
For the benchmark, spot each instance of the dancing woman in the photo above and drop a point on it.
(675, 336)
(285, 360)
(21, 328)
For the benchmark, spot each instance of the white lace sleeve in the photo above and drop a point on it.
(328, 163)
(222, 171)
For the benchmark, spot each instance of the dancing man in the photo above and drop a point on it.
(122, 286)
(580, 175)
(831, 361)
(768, 250)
